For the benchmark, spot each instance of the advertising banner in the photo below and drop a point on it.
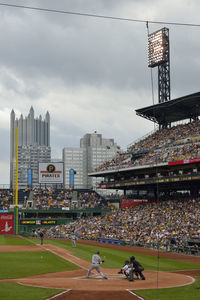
(185, 161)
(110, 241)
(134, 202)
(103, 186)
(71, 177)
(51, 172)
(6, 223)
(38, 222)
(29, 177)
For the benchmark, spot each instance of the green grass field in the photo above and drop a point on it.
(6, 240)
(22, 264)
(115, 259)
(191, 292)
(14, 291)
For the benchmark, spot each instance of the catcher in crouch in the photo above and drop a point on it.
(132, 267)
(126, 269)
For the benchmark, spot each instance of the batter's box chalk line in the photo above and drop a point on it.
(97, 277)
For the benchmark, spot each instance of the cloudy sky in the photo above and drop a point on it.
(91, 74)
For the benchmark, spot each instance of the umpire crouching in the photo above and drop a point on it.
(136, 268)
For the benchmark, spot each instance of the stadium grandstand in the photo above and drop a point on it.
(50, 206)
(170, 156)
(159, 177)
(169, 225)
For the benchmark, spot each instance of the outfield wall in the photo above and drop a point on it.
(31, 219)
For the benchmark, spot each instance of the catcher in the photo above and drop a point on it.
(125, 269)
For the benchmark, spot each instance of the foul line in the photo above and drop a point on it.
(55, 296)
(75, 263)
(43, 247)
(35, 285)
(134, 294)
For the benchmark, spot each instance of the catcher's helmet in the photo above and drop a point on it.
(126, 262)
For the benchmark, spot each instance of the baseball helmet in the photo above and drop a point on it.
(126, 262)
(132, 258)
(97, 252)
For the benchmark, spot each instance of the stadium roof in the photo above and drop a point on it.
(186, 107)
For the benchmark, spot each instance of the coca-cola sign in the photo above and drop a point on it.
(6, 223)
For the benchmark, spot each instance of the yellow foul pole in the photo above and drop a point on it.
(14, 165)
(15, 177)
(16, 188)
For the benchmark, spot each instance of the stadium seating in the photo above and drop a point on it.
(169, 225)
(171, 144)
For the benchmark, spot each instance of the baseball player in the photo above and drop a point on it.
(96, 261)
(136, 268)
(73, 240)
(125, 269)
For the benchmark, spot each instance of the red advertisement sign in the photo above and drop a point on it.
(103, 186)
(6, 223)
(134, 202)
(185, 161)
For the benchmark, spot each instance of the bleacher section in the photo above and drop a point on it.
(166, 145)
(169, 225)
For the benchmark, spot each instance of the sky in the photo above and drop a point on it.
(91, 74)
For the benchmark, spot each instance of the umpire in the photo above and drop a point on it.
(41, 237)
(136, 268)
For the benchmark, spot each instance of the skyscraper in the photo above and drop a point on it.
(33, 146)
(94, 150)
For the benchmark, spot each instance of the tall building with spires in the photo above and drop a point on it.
(33, 146)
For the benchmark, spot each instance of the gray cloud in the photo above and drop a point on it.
(91, 74)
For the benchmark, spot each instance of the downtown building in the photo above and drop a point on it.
(33, 147)
(94, 151)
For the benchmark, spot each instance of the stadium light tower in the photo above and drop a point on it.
(158, 56)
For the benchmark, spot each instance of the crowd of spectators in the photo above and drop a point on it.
(49, 198)
(170, 144)
(6, 198)
(68, 199)
(166, 222)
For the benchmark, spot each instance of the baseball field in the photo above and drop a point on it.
(57, 271)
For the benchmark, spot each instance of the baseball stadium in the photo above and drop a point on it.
(140, 240)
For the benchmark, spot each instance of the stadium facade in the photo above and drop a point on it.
(33, 146)
(171, 164)
(94, 151)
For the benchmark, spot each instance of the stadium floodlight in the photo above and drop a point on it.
(157, 48)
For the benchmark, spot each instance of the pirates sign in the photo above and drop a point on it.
(50, 172)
